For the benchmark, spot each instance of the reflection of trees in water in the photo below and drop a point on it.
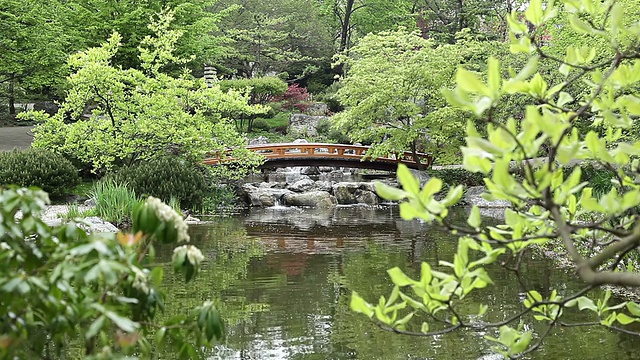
(304, 278)
(228, 252)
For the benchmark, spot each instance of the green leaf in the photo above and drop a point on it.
(470, 82)
(389, 192)
(474, 219)
(404, 320)
(534, 12)
(123, 323)
(625, 319)
(95, 327)
(358, 305)
(424, 328)
(409, 183)
(633, 308)
(399, 278)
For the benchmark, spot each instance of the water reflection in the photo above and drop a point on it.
(283, 277)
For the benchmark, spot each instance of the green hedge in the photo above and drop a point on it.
(45, 169)
(165, 178)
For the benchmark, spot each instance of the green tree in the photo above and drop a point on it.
(279, 36)
(600, 235)
(392, 93)
(142, 114)
(32, 48)
(200, 43)
(67, 293)
(262, 90)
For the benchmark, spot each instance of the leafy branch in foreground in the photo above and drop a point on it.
(600, 234)
(63, 291)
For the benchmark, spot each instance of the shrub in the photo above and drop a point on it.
(217, 197)
(599, 179)
(453, 177)
(294, 98)
(262, 89)
(165, 178)
(260, 124)
(114, 202)
(38, 167)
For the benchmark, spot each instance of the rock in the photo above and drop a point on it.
(310, 170)
(336, 175)
(90, 202)
(98, 225)
(260, 140)
(301, 185)
(319, 199)
(304, 125)
(317, 109)
(323, 186)
(300, 141)
(367, 197)
(191, 220)
(49, 107)
(263, 196)
(473, 196)
(345, 192)
(326, 168)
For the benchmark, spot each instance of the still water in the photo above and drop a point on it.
(282, 278)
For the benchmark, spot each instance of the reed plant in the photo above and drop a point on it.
(114, 202)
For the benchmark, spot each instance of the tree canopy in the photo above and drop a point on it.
(141, 114)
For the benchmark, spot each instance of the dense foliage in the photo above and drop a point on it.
(165, 178)
(600, 235)
(38, 167)
(261, 90)
(141, 114)
(392, 93)
(66, 293)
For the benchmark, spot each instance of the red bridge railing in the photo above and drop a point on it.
(323, 153)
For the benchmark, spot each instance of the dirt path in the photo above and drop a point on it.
(15, 137)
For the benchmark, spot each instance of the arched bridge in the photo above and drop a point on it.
(318, 154)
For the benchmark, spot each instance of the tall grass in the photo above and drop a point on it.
(114, 202)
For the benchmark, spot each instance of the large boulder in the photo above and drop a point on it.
(304, 125)
(323, 186)
(260, 140)
(301, 185)
(48, 107)
(97, 225)
(318, 199)
(263, 196)
(355, 193)
(345, 192)
(473, 196)
(367, 197)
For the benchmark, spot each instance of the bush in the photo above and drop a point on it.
(599, 179)
(38, 167)
(454, 177)
(165, 178)
(263, 89)
(294, 98)
(217, 197)
(114, 202)
(330, 133)
(260, 124)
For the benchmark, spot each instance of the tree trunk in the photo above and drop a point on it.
(344, 32)
(414, 154)
(12, 96)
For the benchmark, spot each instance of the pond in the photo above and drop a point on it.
(282, 278)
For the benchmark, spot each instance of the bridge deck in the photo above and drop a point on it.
(319, 154)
